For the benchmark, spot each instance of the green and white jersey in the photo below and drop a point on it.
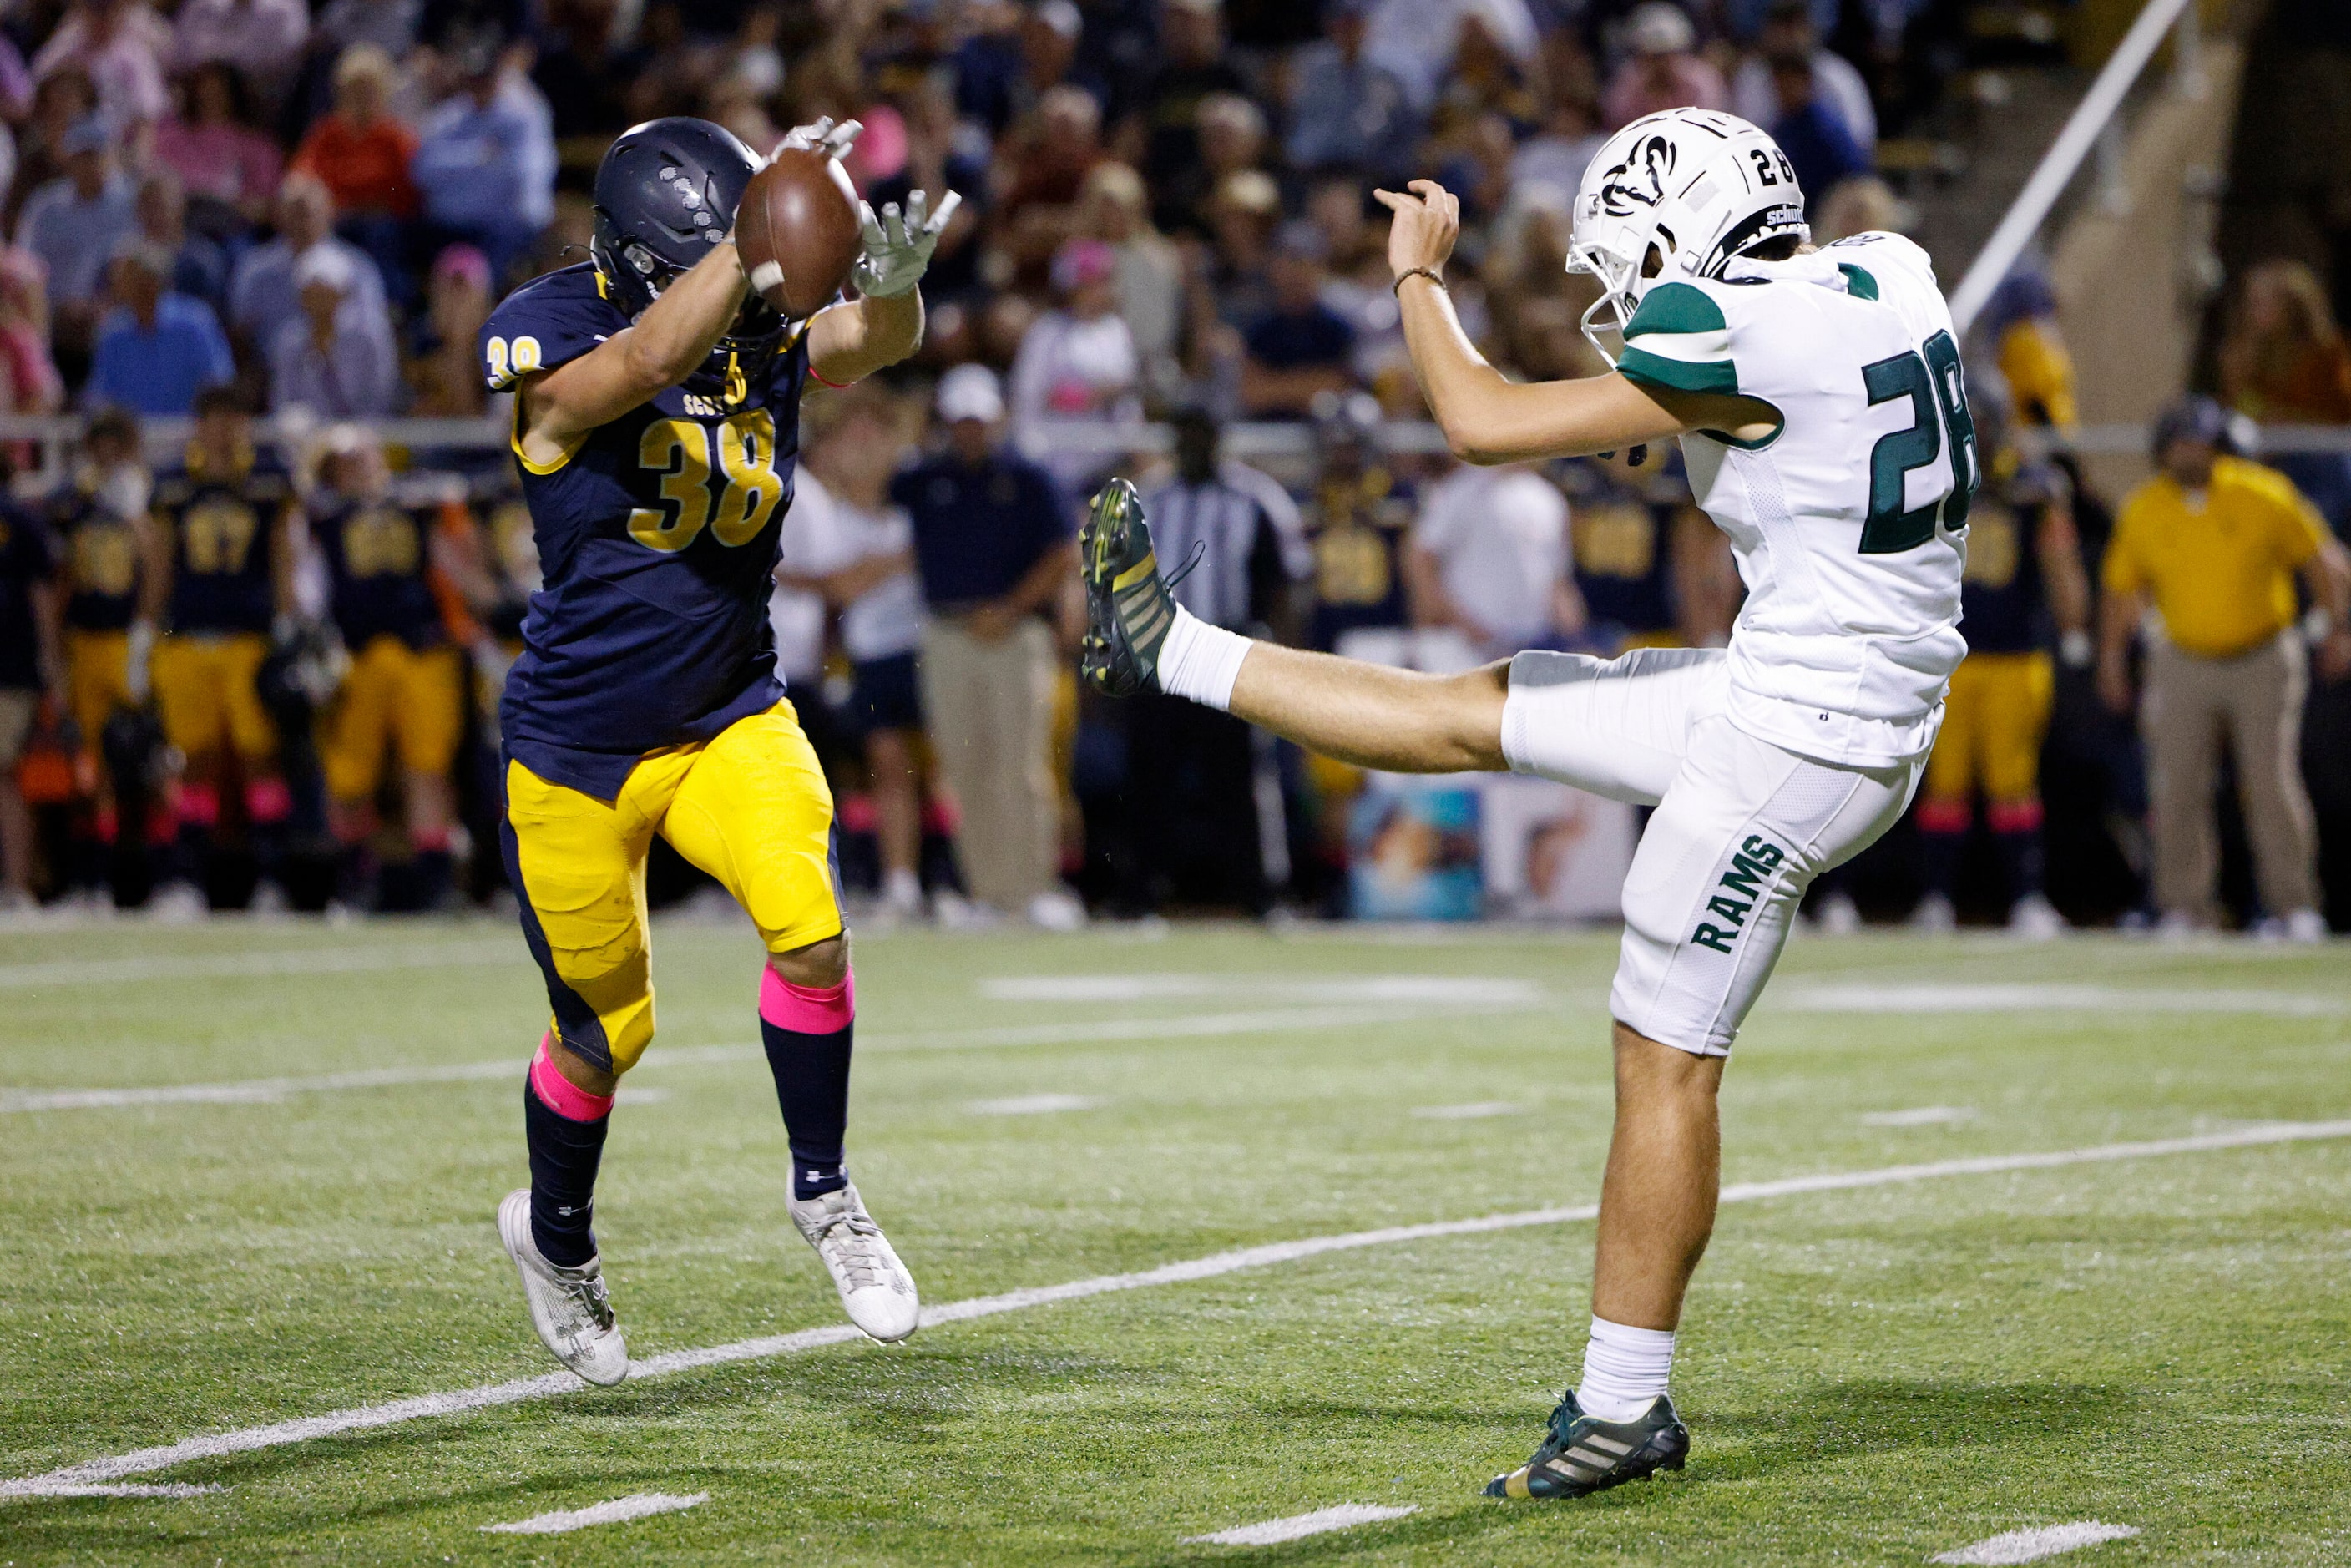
(1847, 521)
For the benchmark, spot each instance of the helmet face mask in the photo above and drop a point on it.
(1690, 188)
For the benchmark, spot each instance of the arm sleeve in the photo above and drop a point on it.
(2301, 530)
(1679, 338)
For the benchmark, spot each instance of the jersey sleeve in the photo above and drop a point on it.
(545, 324)
(1680, 338)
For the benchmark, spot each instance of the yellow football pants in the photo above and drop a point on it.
(750, 806)
(1993, 724)
(397, 698)
(204, 686)
(98, 679)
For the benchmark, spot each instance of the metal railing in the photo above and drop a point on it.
(2091, 127)
(1265, 441)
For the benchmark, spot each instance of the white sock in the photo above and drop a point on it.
(1625, 1368)
(1200, 661)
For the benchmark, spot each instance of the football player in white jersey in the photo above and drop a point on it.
(1824, 419)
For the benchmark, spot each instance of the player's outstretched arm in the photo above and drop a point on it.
(850, 341)
(1488, 419)
(667, 344)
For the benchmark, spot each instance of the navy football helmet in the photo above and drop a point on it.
(665, 193)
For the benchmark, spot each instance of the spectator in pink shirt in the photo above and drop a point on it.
(262, 39)
(211, 143)
(122, 45)
(28, 376)
(1663, 73)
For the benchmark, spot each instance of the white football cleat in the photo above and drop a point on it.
(568, 1307)
(1935, 915)
(875, 1289)
(2035, 919)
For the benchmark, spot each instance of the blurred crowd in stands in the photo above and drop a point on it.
(239, 207)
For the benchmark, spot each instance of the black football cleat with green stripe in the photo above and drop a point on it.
(1128, 607)
(1582, 1454)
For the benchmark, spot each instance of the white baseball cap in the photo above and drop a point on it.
(970, 392)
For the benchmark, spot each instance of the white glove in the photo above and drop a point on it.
(136, 685)
(898, 249)
(823, 135)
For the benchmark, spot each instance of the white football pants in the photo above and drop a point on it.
(1740, 830)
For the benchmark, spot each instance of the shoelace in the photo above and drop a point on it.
(848, 1241)
(589, 1296)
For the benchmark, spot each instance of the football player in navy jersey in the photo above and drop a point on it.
(2024, 584)
(225, 557)
(405, 692)
(656, 419)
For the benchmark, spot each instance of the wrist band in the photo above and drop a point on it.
(1430, 273)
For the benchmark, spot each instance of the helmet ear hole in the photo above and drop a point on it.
(1652, 263)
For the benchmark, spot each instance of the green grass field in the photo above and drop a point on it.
(1875, 1374)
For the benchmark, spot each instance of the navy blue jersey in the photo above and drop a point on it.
(658, 541)
(378, 555)
(1357, 525)
(102, 561)
(2000, 600)
(27, 557)
(1621, 536)
(220, 522)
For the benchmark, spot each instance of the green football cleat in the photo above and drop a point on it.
(1128, 607)
(1582, 1454)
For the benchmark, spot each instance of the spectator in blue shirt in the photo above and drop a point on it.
(73, 223)
(1346, 112)
(1812, 134)
(993, 551)
(156, 351)
(319, 362)
(261, 297)
(1300, 346)
(485, 158)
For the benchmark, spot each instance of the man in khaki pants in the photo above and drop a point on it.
(2216, 542)
(994, 543)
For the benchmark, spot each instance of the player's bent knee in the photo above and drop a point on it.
(819, 965)
(1694, 1067)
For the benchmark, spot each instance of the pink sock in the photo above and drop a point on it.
(558, 1093)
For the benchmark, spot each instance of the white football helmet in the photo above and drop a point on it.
(1699, 186)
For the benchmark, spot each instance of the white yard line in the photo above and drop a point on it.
(1818, 996)
(1469, 989)
(473, 953)
(636, 1505)
(1475, 1110)
(2033, 1545)
(1919, 1117)
(1297, 1527)
(218, 1445)
(1106, 1031)
(152, 1488)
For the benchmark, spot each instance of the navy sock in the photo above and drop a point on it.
(2021, 859)
(807, 1031)
(564, 1154)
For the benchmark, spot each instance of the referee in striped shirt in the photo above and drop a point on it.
(1205, 800)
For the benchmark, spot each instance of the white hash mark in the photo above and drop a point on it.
(1919, 1117)
(636, 1505)
(1274, 1532)
(2033, 1545)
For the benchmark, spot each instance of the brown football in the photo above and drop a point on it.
(796, 231)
